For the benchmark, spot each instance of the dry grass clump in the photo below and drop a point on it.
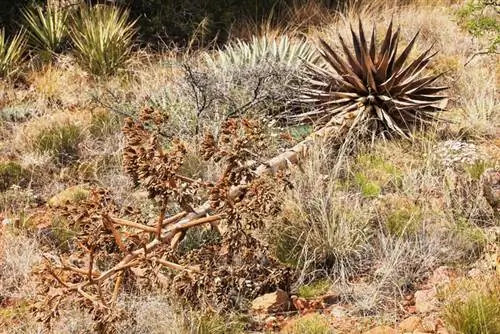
(322, 226)
(310, 324)
(57, 137)
(149, 314)
(473, 306)
(18, 254)
(422, 215)
(12, 173)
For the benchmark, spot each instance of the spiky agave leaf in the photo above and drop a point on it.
(283, 50)
(371, 83)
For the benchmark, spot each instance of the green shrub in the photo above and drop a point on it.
(104, 123)
(11, 53)
(103, 38)
(47, 29)
(310, 324)
(315, 289)
(476, 313)
(404, 220)
(12, 173)
(368, 187)
(17, 113)
(59, 140)
(474, 17)
(468, 238)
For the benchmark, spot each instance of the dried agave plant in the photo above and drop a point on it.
(109, 254)
(372, 84)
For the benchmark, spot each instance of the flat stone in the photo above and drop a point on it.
(410, 324)
(339, 311)
(382, 330)
(271, 302)
(425, 300)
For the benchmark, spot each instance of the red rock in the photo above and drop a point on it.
(425, 300)
(271, 302)
(429, 324)
(441, 276)
(410, 324)
(382, 330)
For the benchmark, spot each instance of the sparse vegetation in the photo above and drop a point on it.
(152, 191)
(474, 307)
(11, 173)
(59, 140)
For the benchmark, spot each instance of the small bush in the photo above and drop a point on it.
(12, 173)
(104, 123)
(478, 312)
(314, 289)
(18, 113)
(310, 324)
(474, 17)
(102, 37)
(60, 141)
(11, 53)
(47, 29)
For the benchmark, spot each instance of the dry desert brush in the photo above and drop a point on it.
(373, 84)
(118, 250)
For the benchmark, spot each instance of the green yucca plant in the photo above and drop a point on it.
(370, 84)
(47, 29)
(11, 53)
(102, 37)
(283, 50)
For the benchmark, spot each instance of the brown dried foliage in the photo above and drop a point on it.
(109, 255)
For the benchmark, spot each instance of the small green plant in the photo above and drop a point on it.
(474, 17)
(315, 289)
(478, 312)
(469, 238)
(47, 29)
(310, 324)
(59, 141)
(104, 123)
(12, 173)
(368, 187)
(477, 169)
(404, 220)
(102, 37)
(11, 53)
(212, 323)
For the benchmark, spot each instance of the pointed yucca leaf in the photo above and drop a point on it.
(333, 59)
(430, 90)
(413, 86)
(373, 46)
(354, 64)
(357, 47)
(387, 41)
(416, 66)
(404, 55)
(394, 48)
(425, 98)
